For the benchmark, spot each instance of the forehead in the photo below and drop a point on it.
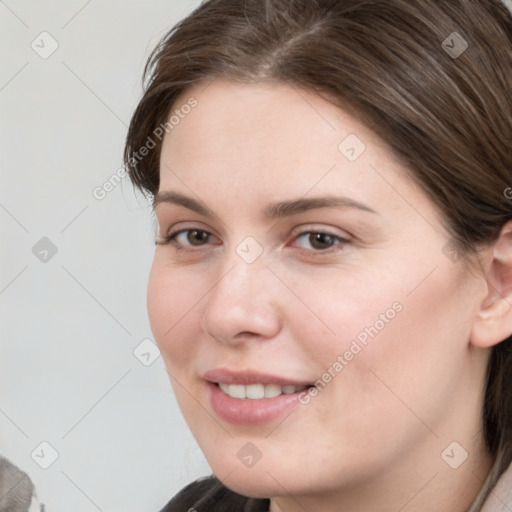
(267, 142)
(271, 116)
(254, 127)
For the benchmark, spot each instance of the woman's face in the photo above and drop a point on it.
(267, 286)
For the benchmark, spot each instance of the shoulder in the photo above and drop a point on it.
(203, 489)
(208, 494)
(498, 498)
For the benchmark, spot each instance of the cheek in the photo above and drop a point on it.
(350, 327)
(375, 337)
(342, 313)
(172, 302)
(415, 362)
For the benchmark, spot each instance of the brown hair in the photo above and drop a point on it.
(431, 77)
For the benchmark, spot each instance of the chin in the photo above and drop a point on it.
(253, 486)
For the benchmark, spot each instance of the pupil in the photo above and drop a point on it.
(193, 238)
(322, 238)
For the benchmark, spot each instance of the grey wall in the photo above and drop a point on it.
(69, 324)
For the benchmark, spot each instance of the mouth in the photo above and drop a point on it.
(259, 391)
(251, 398)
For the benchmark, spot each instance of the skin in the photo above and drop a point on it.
(372, 438)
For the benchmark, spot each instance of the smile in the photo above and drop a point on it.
(258, 391)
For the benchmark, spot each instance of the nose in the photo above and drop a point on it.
(243, 304)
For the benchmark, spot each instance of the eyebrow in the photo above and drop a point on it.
(272, 211)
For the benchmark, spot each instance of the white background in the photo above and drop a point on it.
(69, 326)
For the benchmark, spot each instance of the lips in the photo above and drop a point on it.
(252, 398)
(249, 412)
(248, 377)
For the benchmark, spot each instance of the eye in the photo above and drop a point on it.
(194, 237)
(321, 242)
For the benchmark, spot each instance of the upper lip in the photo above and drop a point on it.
(247, 377)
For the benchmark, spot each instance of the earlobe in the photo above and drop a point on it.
(493, 323)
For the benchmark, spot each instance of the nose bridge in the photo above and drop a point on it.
(242, 299)
(240, 283)
(243, 268)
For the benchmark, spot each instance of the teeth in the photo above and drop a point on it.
(236, 391)
(255, 391)
(258, 391)
(272, 390)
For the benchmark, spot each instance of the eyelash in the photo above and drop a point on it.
(170, 239)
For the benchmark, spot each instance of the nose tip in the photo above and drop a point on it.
(237, 338)
(242, 305)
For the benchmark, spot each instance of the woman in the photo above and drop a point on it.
(332, 283)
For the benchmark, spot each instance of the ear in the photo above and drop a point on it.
(493, 323)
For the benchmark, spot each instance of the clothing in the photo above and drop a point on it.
(208, 494)
(17, 492)
(497, 499)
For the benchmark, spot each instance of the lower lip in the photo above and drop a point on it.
(248, 411)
